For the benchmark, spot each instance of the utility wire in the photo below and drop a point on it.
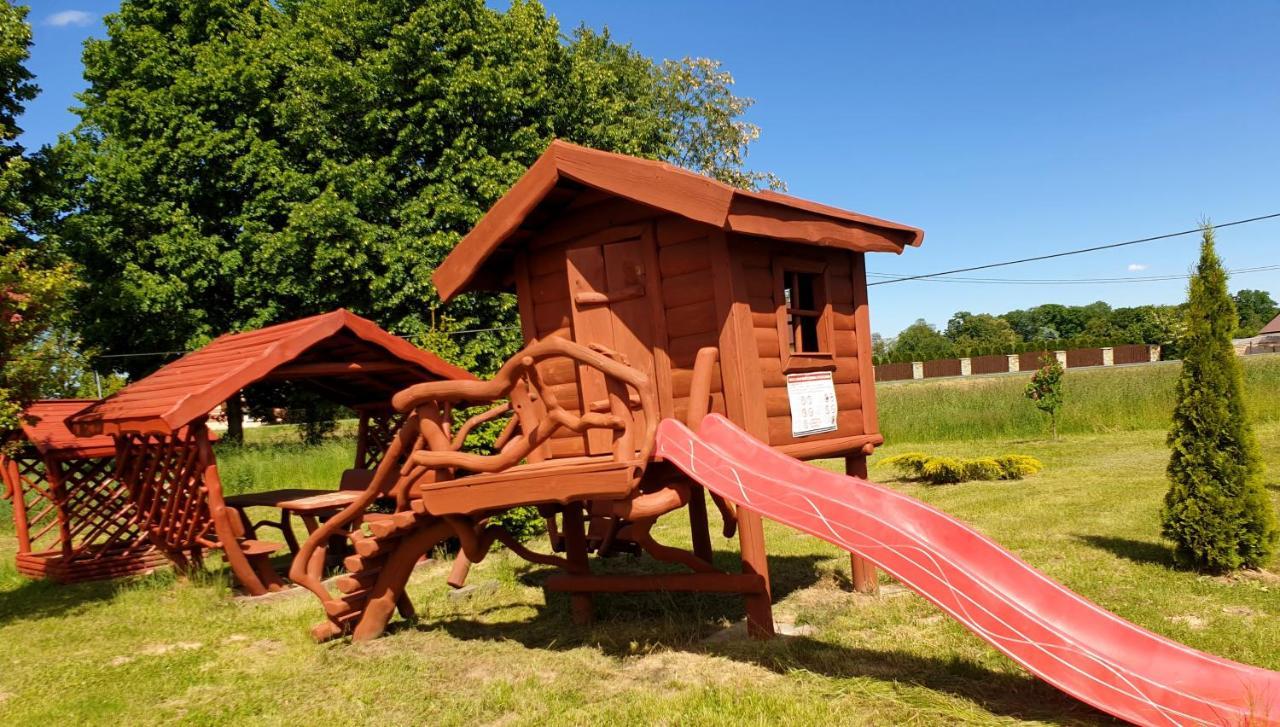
(1109, 246)
(1071, 281)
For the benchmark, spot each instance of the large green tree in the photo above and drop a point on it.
(1217, 511)
(34, 284)
(240, 162)
(969, 330)
(921, 341)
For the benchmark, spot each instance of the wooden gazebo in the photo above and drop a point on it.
(71, 516)
(645, 292)
(161, 440)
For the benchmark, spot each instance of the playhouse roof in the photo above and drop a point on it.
(564, 170)
(47, 431)
(1272, 327)
(346, 358)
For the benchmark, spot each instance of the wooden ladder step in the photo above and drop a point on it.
(398, 524)
(352, 582)
(371, 547)
(350, 606)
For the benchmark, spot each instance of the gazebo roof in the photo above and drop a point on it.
(45, 428)
(565, 170)
(346, 358)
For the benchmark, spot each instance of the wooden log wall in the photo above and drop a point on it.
(688, 304)
(757, 256)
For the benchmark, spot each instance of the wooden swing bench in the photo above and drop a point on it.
(606, 503)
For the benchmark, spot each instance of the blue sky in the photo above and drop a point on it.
(1004, 129)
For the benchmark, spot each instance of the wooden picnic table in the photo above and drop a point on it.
(312, 506)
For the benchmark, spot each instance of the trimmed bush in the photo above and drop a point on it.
(951, 470)
(1017, 466)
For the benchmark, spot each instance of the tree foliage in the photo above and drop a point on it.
(921, 341)
(1045, 389)
(968, 330)
(242, 162)
(1254, 309)
(34, 285)
(1217, 511)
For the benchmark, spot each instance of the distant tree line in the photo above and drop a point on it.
(1057, 327)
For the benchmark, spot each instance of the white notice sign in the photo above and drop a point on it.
(813, 403)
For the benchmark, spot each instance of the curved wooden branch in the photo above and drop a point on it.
(673, 496)
(303, 570)
(507, 458)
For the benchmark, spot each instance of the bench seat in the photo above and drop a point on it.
(552, 481)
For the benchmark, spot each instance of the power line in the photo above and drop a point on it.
(1109, 246)
(1074, 281)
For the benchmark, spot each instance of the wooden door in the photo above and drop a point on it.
(608, 288)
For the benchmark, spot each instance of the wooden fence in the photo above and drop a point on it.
(1029, 361)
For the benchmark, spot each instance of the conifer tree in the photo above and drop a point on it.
(1217, 512)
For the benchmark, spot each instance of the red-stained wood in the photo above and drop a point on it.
(863, 573)
(72, 518)
(192, 386)
(644, 291)
(662, 187)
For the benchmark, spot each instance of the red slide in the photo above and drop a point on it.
(1066, 640)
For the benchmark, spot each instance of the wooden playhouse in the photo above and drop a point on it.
(711, 298)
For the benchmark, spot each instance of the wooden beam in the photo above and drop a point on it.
(336, 368)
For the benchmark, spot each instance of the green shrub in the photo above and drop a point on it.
(943, 470)
(982, 468)
(909, 464)
(950, 470)
(1017, 466)
(522, 522)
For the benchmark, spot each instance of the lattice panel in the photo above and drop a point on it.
(39, 505)
(165, 479)
(100, 514)
(379, 432)
(72, 513)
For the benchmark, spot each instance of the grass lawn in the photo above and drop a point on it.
(156, 650)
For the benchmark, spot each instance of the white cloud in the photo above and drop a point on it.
(68, 18)
(1137, 267)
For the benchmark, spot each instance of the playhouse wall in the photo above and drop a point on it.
(705, 287)
(682, 316)
(844, 283)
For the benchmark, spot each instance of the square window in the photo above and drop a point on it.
(801, 301)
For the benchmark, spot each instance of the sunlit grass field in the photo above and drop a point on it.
(154, 649)
(1097, 400)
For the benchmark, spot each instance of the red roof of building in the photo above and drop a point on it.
(47, 431)
(565, 169)
(1272, 327)
(345, 358)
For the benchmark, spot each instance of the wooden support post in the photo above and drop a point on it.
(362, 440)
(700, 531)
(575, 548)
(53, 473)
(756, 562)
(13, 476)
(863, 573)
